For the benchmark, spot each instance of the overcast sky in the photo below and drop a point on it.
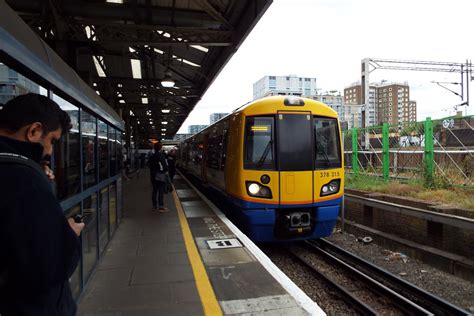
(327, 39)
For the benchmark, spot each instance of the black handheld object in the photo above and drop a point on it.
(78, 218)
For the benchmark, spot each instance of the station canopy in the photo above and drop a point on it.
(151, 60)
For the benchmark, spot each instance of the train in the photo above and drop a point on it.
(277, 162)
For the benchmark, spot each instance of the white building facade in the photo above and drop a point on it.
(193, 129)
(216, 117)
(284, 85)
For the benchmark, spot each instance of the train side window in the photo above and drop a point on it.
(103, 151)
(67, 162)
(89, 143)
(197, 149)
(187, 152)
(225, 136)
(259, 143)
(328, 153)
(214, 146)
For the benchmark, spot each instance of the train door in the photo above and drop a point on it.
(295, 158)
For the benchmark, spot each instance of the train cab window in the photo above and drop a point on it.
(328, 153)
(89, 133)
(259, 143)
(103, 152)
(67, 163)
(294, 142)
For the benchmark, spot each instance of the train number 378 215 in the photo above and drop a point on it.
(326, 174)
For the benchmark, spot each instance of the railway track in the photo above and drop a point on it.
(371, 290)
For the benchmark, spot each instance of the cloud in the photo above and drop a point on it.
(327, 39)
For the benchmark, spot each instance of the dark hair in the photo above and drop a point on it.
(157, 146)
(28, 108)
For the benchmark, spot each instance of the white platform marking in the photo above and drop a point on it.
(224, 243)
(271, 305)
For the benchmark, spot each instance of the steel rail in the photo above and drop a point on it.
(352, 300)
(398, 300)
(429, 301)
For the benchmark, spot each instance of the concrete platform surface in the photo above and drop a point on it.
(188, 261)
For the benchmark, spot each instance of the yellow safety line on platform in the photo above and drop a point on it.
(205, 290)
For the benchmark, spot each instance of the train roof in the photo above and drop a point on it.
(20, 45)
(272, 104)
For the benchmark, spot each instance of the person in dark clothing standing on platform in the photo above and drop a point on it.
(39, 247)
(171, 159)
(158, 174)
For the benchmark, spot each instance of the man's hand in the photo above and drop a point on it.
(76, 227)
(49, 173)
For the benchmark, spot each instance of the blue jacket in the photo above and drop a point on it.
(39, 251)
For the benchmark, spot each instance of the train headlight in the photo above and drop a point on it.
(253, 188)
(257, 190)
(331, 187)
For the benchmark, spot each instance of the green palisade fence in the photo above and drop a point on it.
(434, 152)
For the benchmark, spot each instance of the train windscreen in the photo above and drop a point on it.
(259, 143)
(327, 148)
(294, 142)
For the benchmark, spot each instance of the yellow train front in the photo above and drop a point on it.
(278, 161)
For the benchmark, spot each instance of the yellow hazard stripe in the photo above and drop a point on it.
(205, 290)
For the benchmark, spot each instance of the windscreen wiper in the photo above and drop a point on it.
(264, 154)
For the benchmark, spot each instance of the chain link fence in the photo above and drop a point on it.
(438, 153)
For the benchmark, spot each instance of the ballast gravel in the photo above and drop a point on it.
(447, 286)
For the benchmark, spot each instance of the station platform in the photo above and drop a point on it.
(188, 261)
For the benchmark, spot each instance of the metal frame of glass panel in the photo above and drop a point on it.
(78, 199)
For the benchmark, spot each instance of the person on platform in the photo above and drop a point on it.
(39, 247)
(171, 159)
(158, 175)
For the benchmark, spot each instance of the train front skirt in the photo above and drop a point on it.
(270, 223)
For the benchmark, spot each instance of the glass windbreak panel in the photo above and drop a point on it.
(328, 153)
(294, 142)
(259, 143)
(104, 219)
(67, 161)
(13, 84)
(119, 153)
(112, 151)
(112, 208)
(103, 152)
(75, 278)
(89, 235)
(89, 134)
(119, 200)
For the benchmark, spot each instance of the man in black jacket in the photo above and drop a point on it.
(158, 174)
(39, 247)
